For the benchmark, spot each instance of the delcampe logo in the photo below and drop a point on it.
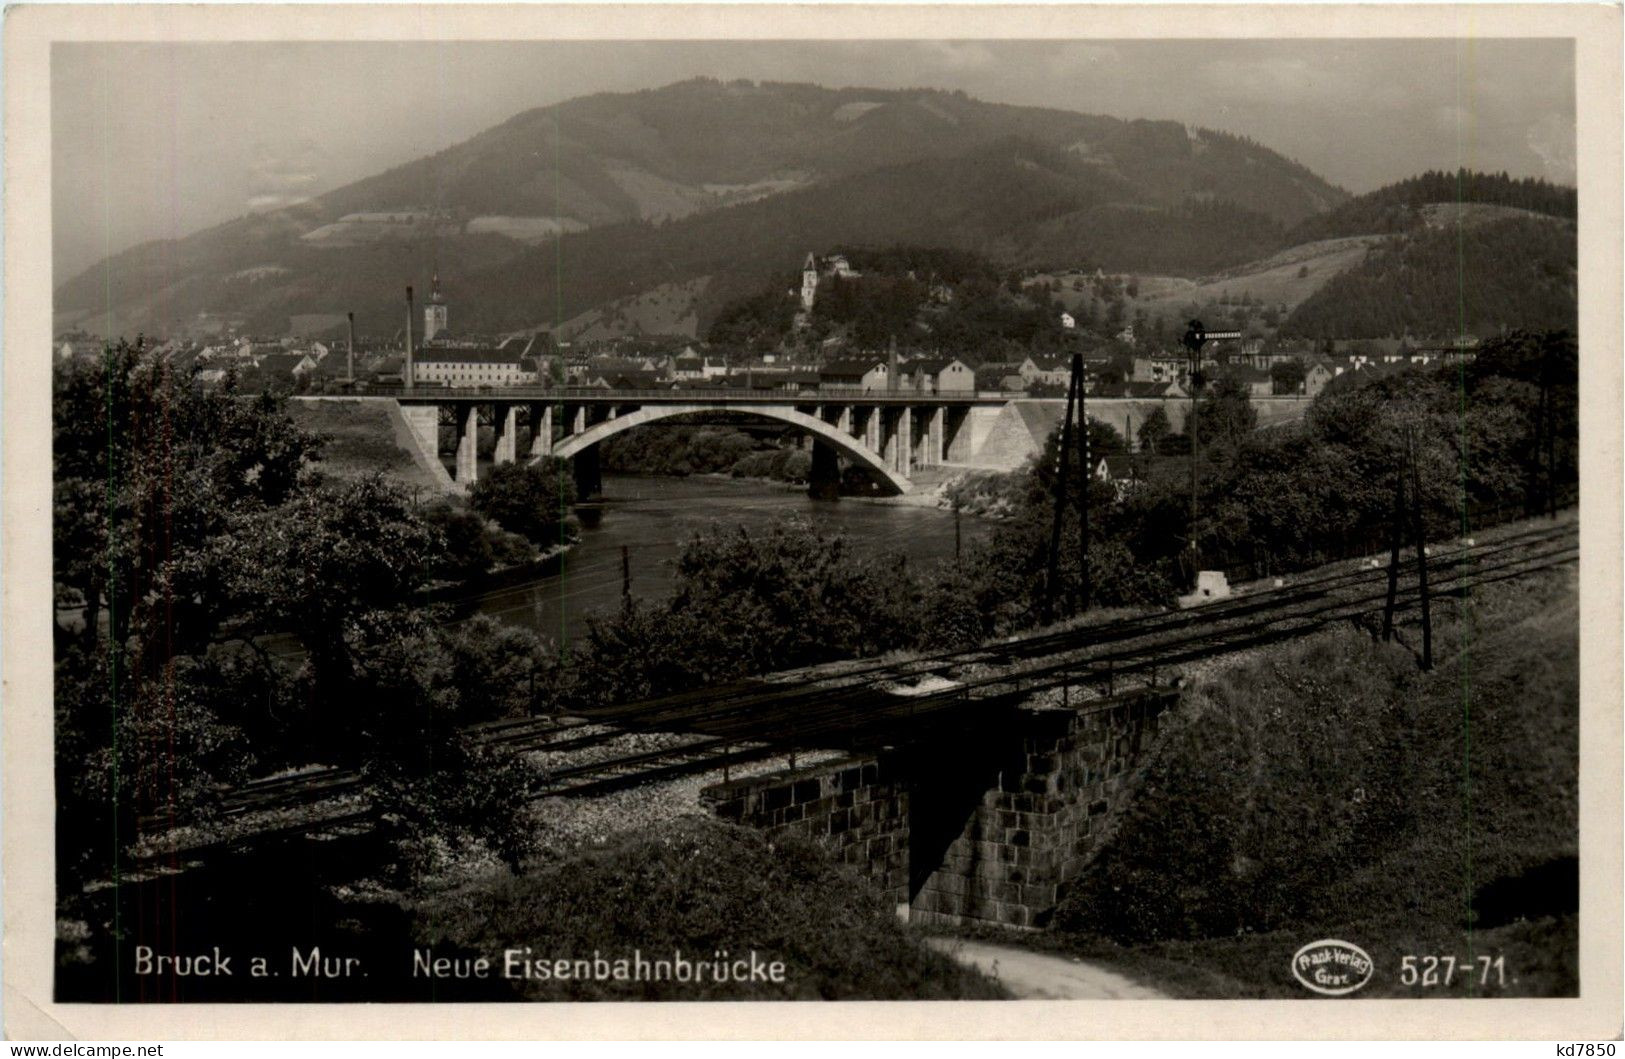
(1332, 967)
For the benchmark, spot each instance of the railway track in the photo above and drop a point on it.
(873, 704)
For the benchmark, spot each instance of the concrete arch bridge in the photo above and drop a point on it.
(891, 434)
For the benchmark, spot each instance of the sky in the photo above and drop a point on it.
(161, 140)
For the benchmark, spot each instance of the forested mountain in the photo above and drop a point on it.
(1410, 204)
(565, 207)
(1480, 280)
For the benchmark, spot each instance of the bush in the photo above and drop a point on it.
(1272, 779)
(530, 499)
(702, 888)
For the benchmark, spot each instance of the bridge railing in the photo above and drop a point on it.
(698, 395)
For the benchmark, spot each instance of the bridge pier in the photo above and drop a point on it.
(824, 481)
(872, 427)
(905, 441)
(468, 468)
(541, 430)
(589, 474)
(505, 417)
(935, 432)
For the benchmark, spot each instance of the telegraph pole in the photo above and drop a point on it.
(1063, 472)
(1421, 558)
(1088, 476)
(1549, 399)
(1396, 537)
(1195, 338)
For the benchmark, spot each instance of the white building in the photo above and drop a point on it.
(471, 367)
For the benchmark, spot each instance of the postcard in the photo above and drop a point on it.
(676, 521)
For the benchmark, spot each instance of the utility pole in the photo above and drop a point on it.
(626, 579)
(1063, 469)
(956, 530)
(1088, 476)
(1421, 558)
(1549, 396)
(1535, 501)
(1195, 338)
(1396, 536)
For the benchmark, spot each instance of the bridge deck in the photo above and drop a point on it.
(707, 396)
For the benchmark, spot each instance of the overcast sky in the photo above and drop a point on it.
(161, 140)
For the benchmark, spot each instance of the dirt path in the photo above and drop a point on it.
(1040, 976)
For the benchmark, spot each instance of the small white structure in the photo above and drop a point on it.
(1210, 585)
(1068, 321)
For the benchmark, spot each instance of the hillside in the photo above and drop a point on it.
(710, 179)
(1410, 204)
(1477, 279)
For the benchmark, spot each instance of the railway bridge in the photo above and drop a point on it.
(890, 434)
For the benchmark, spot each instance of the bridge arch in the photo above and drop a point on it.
(844, 443)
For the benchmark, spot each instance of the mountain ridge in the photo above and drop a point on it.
(557, 176)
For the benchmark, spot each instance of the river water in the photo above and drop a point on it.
(655, 517)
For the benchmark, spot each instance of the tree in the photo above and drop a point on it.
(1154, 430)
(531, 499)
(1224, 415)
(1287, 376)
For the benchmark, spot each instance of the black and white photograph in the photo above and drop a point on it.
(817, 517)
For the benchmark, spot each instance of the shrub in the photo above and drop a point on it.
(701, 888)
(1273, 778)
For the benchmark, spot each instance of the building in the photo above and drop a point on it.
(1159, 367)
(1257, 381)
(809, 283)
(1316, 375)
(471, 367)
(691, 366)
(1068, 321)
(434, 313)
(1120, 470)
(937, 375)
(1047, 369)
(1004, 377)
(859, 373)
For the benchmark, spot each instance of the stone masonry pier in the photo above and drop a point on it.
(991, 829)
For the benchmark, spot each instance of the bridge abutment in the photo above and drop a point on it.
(992, 829)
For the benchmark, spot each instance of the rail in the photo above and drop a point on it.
(759, 718)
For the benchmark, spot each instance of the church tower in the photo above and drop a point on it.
(809, 283)
(434, 313)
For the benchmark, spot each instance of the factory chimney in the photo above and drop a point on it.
(349, 354)
(891, 366)
(406, 367)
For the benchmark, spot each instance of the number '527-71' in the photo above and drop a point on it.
(1430, 971)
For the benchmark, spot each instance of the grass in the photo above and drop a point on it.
(358, 439)
(700, 887)
(1327, 788)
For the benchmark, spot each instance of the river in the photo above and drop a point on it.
(655, 517)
